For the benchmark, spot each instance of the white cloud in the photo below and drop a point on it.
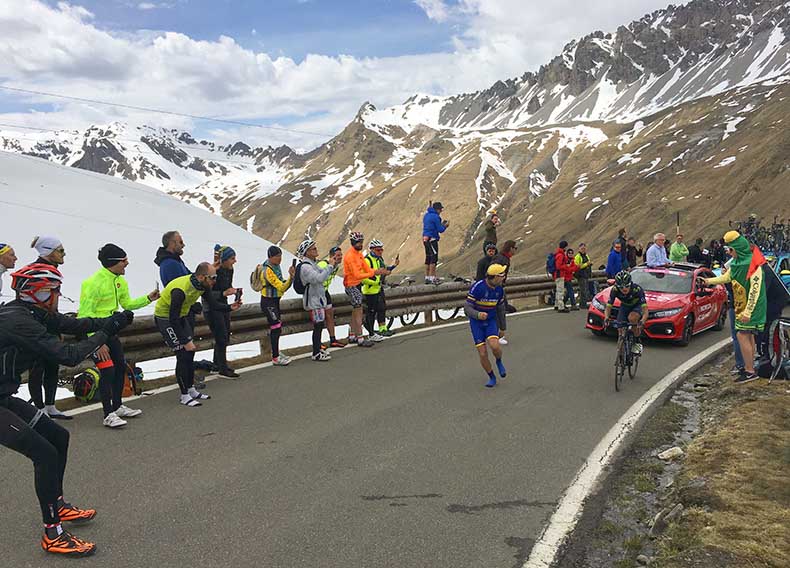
(61, 50)
(146, 6)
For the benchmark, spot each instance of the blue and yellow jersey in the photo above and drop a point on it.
(635, 297)
(483, 298)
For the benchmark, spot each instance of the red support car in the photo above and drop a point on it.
(679, 305)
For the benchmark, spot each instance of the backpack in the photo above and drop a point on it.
(132, 381)
(86, 385)
(551, 264)
(256, 278)
(299, 286)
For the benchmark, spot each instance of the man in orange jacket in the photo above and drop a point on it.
(355, 269)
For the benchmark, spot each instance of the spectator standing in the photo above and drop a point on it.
(560, 260)
(373, 292)
(101, 295)
(44, 374)
(633, 252)
(614, 262)
(274, 286)
(679, 251)
(583, 275)
(490, 228)
(568, 274)
(718, 252)
(216, 308)
(656, 255)
(336, 258)
(168, 258)
(739, 366)
(171, 317)
(483, 263)
(695, 252)
(355, 270)
(503, 258)
(314, 296)
(7, 260)
(432, 227)
(622, 238)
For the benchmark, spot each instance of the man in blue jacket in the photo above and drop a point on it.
(614, 263)
(168, 258)
(432, 227)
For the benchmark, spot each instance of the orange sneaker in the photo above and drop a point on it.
(67, 544)
(73, 514)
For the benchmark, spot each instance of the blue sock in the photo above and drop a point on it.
(491, 380)
(501, 368)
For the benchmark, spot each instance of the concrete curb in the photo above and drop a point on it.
(588, 479)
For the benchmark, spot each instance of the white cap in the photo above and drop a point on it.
(46, 244)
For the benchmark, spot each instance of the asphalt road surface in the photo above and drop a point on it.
(391, 456)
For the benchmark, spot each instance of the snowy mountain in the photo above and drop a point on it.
(680, 111)
(86, 210)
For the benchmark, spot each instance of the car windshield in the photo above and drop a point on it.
(666, 281)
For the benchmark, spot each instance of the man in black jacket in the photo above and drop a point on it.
(29, 330)
(485, 262)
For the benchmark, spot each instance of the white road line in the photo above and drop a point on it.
(174, 386)
(587, 479)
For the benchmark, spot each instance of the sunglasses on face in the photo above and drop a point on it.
(60, 250)
(214, 277)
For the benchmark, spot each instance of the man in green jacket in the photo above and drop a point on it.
(678, 252)
(100, 296)
(373, 292)
(583, 275)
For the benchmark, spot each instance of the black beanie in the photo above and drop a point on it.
(274, 251)
(563, 244)
(110, 255)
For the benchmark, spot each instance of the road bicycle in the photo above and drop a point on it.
(779, 340)
(626, 358)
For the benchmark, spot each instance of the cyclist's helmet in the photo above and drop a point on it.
(623, 279)
(35, 282)
(306, 244)
(356, 237)
(333, 250)
(375, 243)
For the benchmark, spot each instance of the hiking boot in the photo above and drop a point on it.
(228, 373)
(67, 544)
(746, 378)
(376, 338)
(281, 361)
(112, 420)
(321, 356)
(337, 343)
(69, 513)
(124, 411)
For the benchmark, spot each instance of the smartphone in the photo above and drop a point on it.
(157, 286)
(294, 263)
(238, 295)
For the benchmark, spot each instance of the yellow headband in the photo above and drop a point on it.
(4, 248)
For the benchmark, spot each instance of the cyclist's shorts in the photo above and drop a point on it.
(623, 311)
(354, 295)
(483, 329)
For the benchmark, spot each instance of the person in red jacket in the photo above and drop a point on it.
(560, 260)
(568, 272)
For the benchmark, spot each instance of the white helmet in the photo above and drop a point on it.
(375, 243)
(306, 244)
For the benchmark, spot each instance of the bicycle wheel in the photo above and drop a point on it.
(631, 359)
(619, 365)
(404, 319)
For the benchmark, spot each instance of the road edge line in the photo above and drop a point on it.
(258, 366)
(594, 470)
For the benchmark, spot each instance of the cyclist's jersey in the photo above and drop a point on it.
(483, 298)
(635, 297)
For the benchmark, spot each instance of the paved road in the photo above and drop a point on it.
(393, 456)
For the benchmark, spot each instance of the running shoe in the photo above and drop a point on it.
(337, 343)
(56, 414)
(281, 361)
(124, 411)
(228, 373)
(503, 341)
(322, 356)
(386, 332)
(746, 378)
(736, 370)
(69, 513)
(112, 420)
(376, 338)
(67, 544)
(365, 343)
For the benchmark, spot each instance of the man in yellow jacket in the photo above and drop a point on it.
(274, 286)
(373, 292)
(100, 297)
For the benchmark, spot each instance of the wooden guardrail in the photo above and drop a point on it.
(142, 341)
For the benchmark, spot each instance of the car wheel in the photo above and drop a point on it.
(688, 331)
(722, 320)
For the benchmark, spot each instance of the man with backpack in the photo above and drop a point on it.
(555, 266)
(268, 280)
(355, 270)
(100, 297)
(308, 281)
(583, 275)
(373, 292)
(335, 255)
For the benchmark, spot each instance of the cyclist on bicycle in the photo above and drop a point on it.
(633, 306)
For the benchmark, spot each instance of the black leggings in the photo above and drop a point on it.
(376, 310)
(113, 373)
(219, 322)
(46, 445)
(185, 370)
(318, 329)
(44, 373)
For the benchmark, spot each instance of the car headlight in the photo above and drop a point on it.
(598, 305)
(667, 313)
